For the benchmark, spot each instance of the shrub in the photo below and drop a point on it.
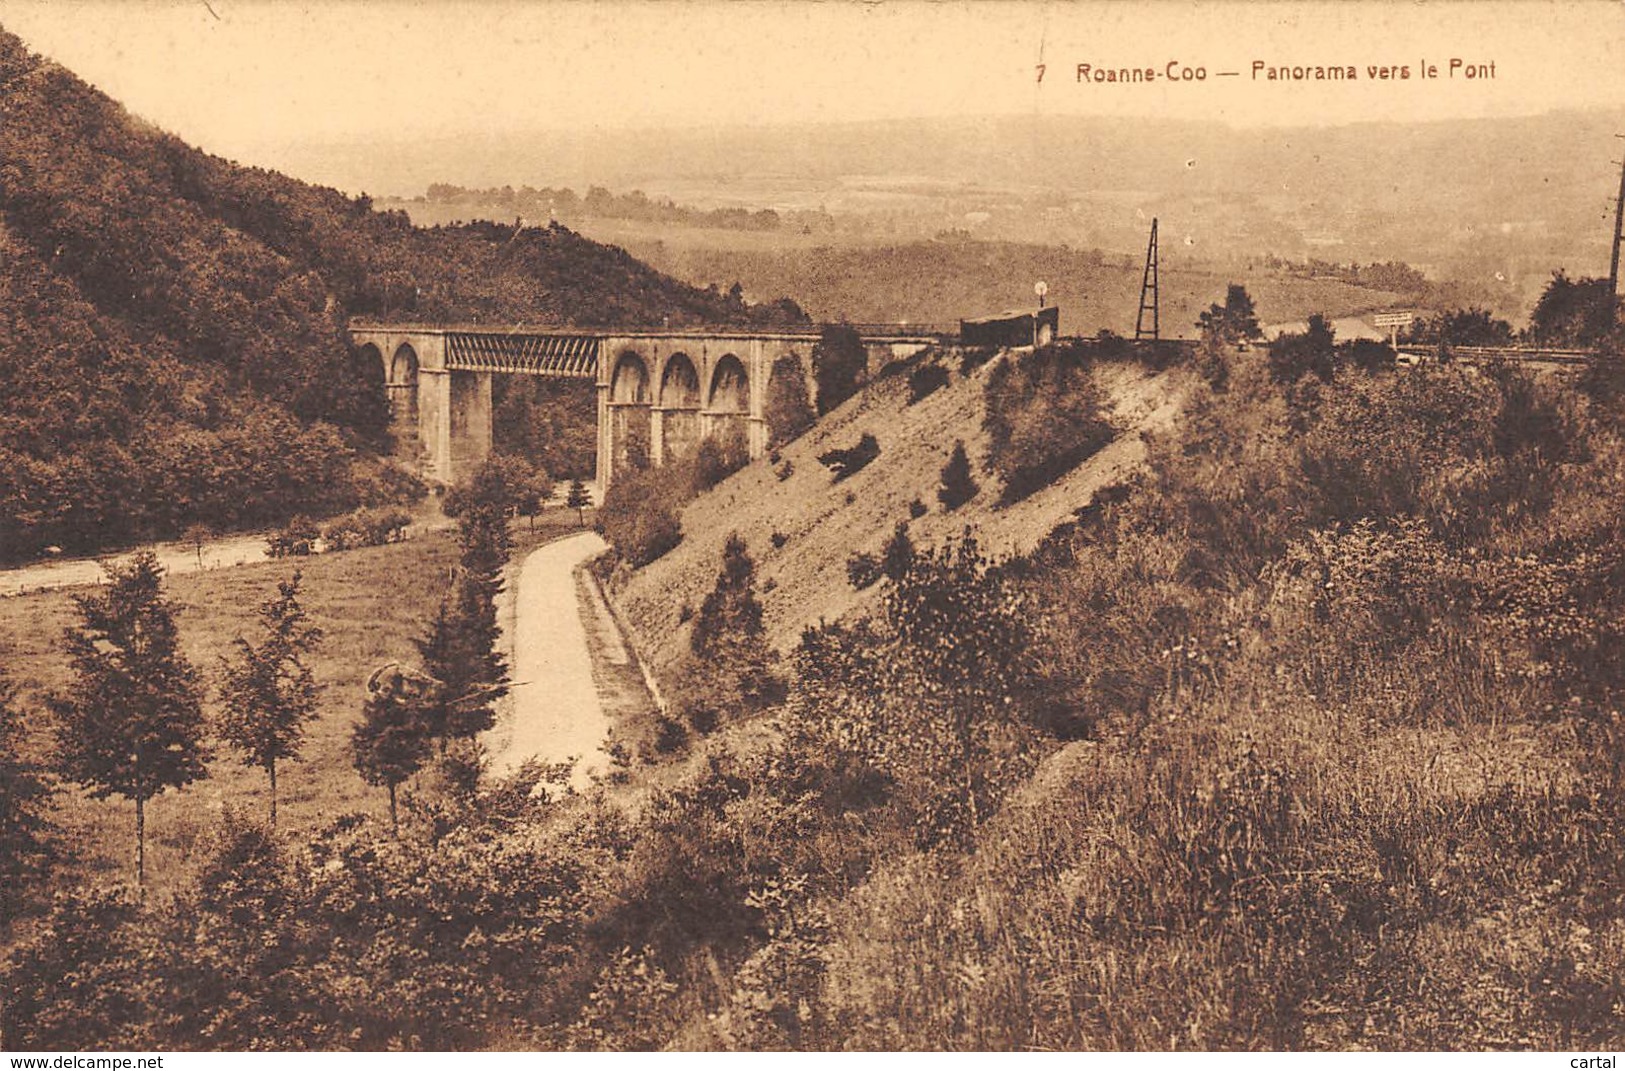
(839, 363)
(958, 486)
(670, 735)
(862, 570)
(296, 539)
(926, 380)
(787, 409)
(639, 514)
(844, 463)
(973, 357)
(898, 557)
(1366, 355)
(343, 534)
(729, 668)
(717, 459)
(926, 696)
(1044, 417)
(778, 539)
(785, 470)
(366, 528)
(917, 509)
(1292, 356)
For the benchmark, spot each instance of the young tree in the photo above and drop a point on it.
(25, 793)
(898, 557)
(732, 666)
(958, 486)
(839, 362)
(1573, 312)
(460, 652)
(1233, 322)
(1292, 355)
(197, 535)
(482, 506)
(788, 411)
(132, 724)
(389, 744)
(580, 498)
(962, 637)
(268, 691)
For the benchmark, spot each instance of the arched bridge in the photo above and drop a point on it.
(660, 391)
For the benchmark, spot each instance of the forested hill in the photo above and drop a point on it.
(171, 324)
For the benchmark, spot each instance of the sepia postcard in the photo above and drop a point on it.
(811, 526)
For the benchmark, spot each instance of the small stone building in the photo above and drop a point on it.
(1033, 327)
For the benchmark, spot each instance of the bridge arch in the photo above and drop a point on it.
(629, 433)
(401, 382)
(403, 366)
(677, 425)
(679, 383)
(629, 383)
(370, 356)
(728, 403)
(730, 386)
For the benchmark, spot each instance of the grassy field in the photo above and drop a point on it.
(370, 603)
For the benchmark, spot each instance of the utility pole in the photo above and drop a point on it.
(1148, 287)
(1613, 263)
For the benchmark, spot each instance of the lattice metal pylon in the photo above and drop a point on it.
(1148, 292)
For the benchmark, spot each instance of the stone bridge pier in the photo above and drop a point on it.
(438, 415)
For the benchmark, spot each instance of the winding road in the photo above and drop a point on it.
(554, 712)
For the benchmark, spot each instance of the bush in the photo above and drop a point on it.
(1292, 356)
(862, 570)
(926, 380)
(958, 486)
(296, 539)
(844, 463)
(1044, 417)
(785, 470)
(917, 509)
(898, 557)
(839, 364)
(787, 409)
(670, 735)
(639, 515)
(778, 539)
(717, 459)
(366, 528)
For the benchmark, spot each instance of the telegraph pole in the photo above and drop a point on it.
(1148, 287)
(1613, 263)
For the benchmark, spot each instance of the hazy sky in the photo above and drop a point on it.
(235, 76)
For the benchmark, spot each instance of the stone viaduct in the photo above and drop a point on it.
(659, 391)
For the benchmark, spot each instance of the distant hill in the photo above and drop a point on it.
(1494, 202)
(947, 280)
(172, 343)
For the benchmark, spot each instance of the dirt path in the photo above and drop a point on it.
(555, 713)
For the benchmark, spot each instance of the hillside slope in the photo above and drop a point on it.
(824, 522)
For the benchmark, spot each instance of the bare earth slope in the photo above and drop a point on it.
(805, 580)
